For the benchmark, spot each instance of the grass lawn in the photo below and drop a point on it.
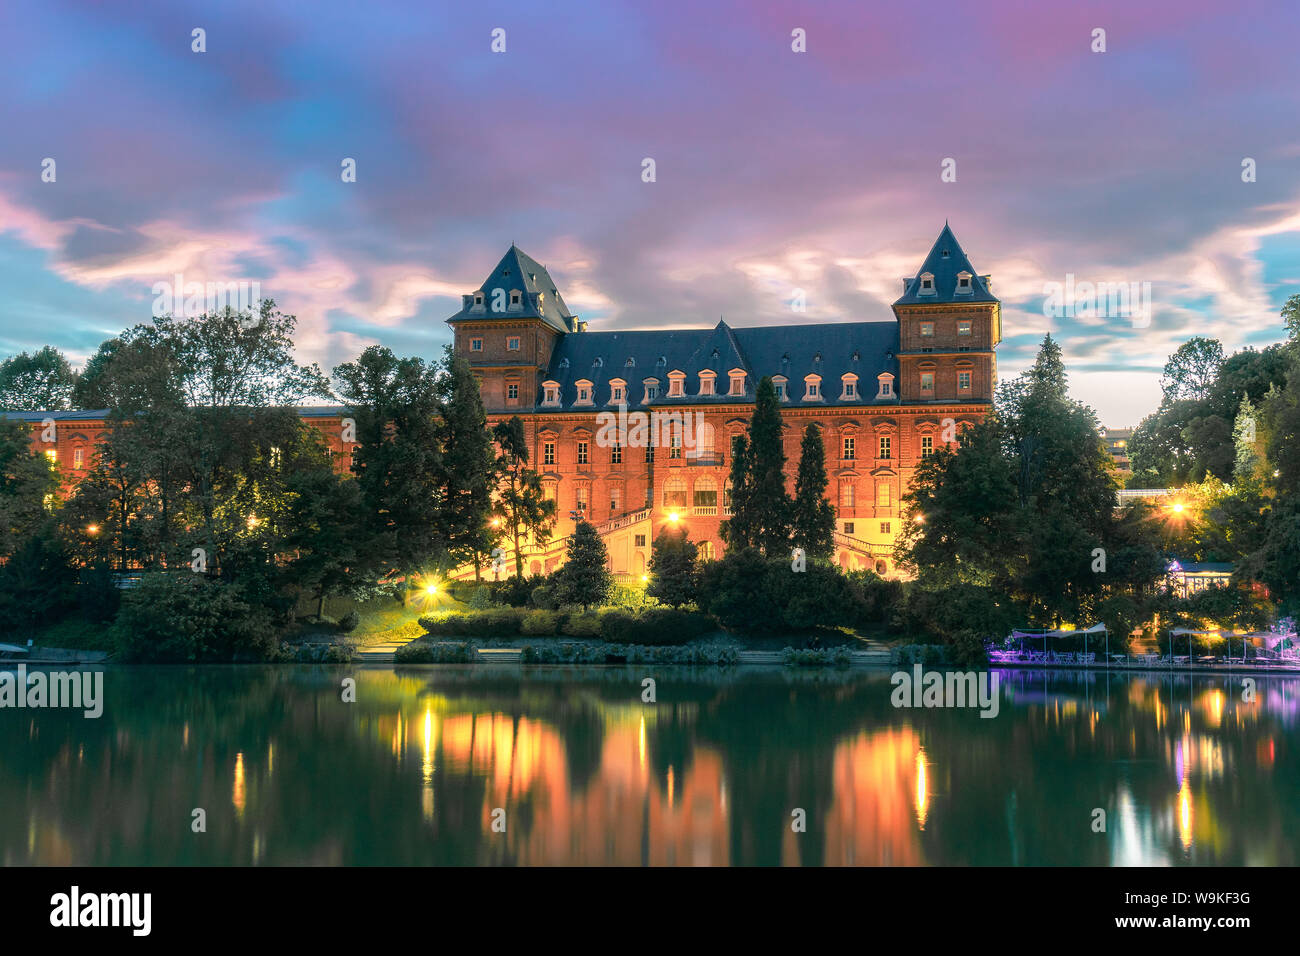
(383, 620)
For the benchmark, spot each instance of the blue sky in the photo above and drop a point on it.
(776, 170)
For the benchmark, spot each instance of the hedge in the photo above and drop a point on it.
(652, 626)
(422, 652)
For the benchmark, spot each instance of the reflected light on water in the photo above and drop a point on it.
(922, 793)
(238, 797)
(1185, 816)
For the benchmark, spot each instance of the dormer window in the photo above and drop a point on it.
(617, 391)
(516, 300)
(706, 381)
(651, 390)
(550, 393)
(780, 382)
(737, 382)
(886, 385)
(927, 283)
(478, 299)
(963, 282)
(676, 384)
(812, 388)
(584, 392)
(849, 392)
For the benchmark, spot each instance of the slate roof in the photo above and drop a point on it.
(829, 350)
(945, 261)
(541, 297)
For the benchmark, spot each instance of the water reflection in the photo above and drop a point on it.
(417, 770)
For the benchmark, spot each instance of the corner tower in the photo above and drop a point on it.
(507, 329)
(949, 324)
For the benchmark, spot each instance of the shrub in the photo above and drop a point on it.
(817, 657)
(426, 652)
(480, 599)
(176, 617)
(543, 596)
(541, 623)
(586, 624)
(349, 622)
(318, 653)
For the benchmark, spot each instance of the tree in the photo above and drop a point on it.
(584, 578)
(36, 382)
(322, 532)
(398, 460)
(674, 568)
(522, 506)
(1192, 369)
(130, 373)
(760, 505)
(469, 471)
(813, 516)
(1246, 441)
(26, 483)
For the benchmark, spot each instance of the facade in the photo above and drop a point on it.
(632, 430)
(1116, 441)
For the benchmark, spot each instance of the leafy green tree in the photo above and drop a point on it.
(813, 515)
(1192, 369)
(584, 578)
(398, 460)
(674, 568)
(522, 508)
(36, 382)
(179, 617)
(133, 372)
(37, 580)
(27, 481)
(1245, 438)
(737, 531)
(323, 531)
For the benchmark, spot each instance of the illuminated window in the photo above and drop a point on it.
(850, 450)
(927, 329)
(78, 457)
(846, 494)
(548, 453)
(884, 494)
(963, 327)
(616, 453)
(927, 446)
(886, 447)
(705, 496)
(675, 493)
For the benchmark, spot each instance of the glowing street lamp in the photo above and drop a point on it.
(92, 529)
(674, 517)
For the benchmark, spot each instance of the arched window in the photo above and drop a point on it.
(703, 440)
(705, 552)
(705, 499)
(675, 493)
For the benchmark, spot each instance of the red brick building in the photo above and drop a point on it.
(633, 429)
(883, 393)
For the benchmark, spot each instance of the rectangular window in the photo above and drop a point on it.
(706, 386)
(963, 380)
(675, 387)
(548, 453)
(886, 446)
(512, 390)
(848, 527)
(927, 381)
(927, 329)
(639, 541)
(616, 454)
(78, 456)
(649, 454)
(582, 452)
(850, 390)
(617, 396)
(512, 343)
(651, 392)
(963, 327)
(884, 494)
(675, 443)
(927, 446)
(583, 496)
(780, 391)
(846, 494)
(615, 497)
(738, 385)
(476, 345)
(850, 451)
(884, 527)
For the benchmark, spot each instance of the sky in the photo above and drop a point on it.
(775, 170)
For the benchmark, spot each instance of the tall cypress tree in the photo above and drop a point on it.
(814, 516)
(584, 578)
(468, 467)
(769, 503)
(736, 530)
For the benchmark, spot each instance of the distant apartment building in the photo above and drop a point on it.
(1116, 441)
